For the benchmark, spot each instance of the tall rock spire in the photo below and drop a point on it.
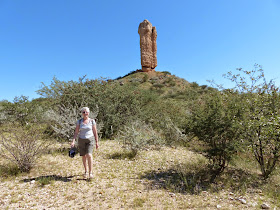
(148, 46)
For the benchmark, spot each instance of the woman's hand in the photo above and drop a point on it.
(73, 143)
(96, 145)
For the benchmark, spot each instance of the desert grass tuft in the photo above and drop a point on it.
(9, 170)
(125, 154)
(138, 202)
(42, 181)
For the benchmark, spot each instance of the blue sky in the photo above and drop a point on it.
(198, 40)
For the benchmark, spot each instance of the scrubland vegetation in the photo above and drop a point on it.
(166, 143)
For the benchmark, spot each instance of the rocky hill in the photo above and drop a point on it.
(164, 82)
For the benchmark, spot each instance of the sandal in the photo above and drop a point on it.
(90, 175)
(85, 175)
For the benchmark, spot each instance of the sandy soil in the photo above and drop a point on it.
(57, 183)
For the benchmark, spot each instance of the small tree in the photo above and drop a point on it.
(23, 147)
(3, 115)
(117, 103)
(215, 121)
(21, 110)
(261, 126)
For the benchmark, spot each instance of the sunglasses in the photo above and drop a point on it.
(84, 112)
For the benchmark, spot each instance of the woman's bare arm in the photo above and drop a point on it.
(75, 135)
(94, 129)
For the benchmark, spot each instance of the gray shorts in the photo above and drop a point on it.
(86, 146)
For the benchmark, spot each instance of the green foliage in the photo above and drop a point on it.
(169, 81)
(221, 119)
(145, 78)
(130, 73)
(125, 154)
(215, 122)
(121, 104)
(261, 124)
(3, 115)
(166, 72)
(167, 117)
(9, 170)
(43, 181)
(194, 85)
(21, 110)
(158, 85)
(191, 177)
(117, 104)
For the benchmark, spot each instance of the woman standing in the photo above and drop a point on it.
(86, 129)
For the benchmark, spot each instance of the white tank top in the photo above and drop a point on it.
(85, 129)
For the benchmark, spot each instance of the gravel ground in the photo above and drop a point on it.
(57, 183)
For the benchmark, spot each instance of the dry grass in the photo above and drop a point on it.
(119, 183)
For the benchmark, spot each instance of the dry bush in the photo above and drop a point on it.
(3, 117)
(22, 146)
(172, 133)
(63, 121)
(139, 136)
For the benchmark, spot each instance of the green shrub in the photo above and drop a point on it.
(215, 121)
(158, 85)
(117, 104)
(170, 81)
(135, 81)
(167, 117)
(166, 72)
(261, 128)
(9, 170)
(21, 111)
(194, 85)
(145, 78)
(42, 181)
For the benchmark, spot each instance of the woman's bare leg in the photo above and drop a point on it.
(84, 158)
(90, 161)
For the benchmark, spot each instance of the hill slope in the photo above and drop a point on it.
(164, 82)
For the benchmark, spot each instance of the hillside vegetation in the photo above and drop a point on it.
(168, 143)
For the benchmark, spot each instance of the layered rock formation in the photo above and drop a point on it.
(148, 45)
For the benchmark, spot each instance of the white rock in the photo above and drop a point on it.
(32, 182)
(219, 206)
(254, 204)
(243, 201)
(265, 206)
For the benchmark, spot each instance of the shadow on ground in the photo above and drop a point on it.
(122, 155)
(49, 178)
(61, 150)
(184, 180)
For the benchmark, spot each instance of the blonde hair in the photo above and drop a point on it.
(85, 109)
